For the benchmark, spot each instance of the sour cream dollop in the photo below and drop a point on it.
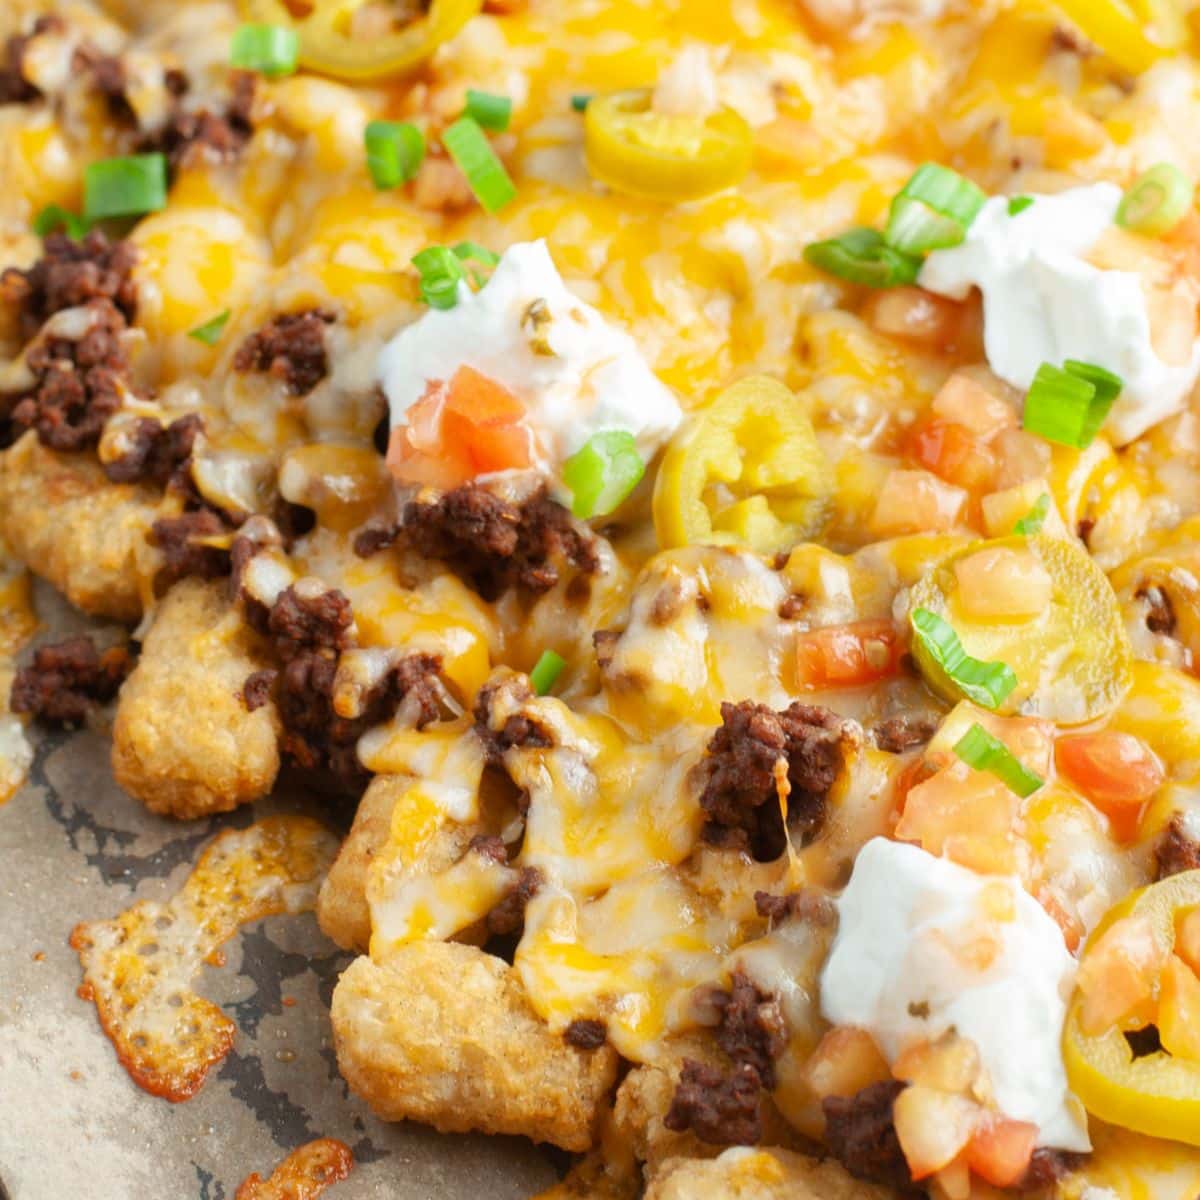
(898, 969)
(1043, 303)
(576, 373)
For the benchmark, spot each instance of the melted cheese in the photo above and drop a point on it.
(139, 967)
(303, 1175)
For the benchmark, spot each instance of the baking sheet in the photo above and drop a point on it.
(74, 847)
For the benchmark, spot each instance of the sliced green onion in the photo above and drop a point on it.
(53, 217)
(1018, 204)
(603, 472)
(546, 672)
(467, 144)
(1158, 200)
(580, 100)
(979, 749)
(933, 210)
(1068, 404)
(125, 187)
(395, 151)
(863, 256)
(1035, 518)
(468, 252)
(491, 111)
(269, 49)
(987, 683)
(210, 332)
(441, 272)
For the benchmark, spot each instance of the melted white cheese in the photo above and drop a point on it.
(909, 940)
(576, 373)
(1043, 303)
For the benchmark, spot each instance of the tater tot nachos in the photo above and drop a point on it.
(712, 490)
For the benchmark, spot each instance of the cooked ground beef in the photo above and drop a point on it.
(316, 737)
(495, 544)
(748, 758)
(79, 384)
(487, 846)
(109, 79)
(290, 347)
(898, 734)
(1160, 613)
(1176, 850)
(509, 915)
(375, 537)
(71, 273)
(862, 1136)
(586, 1034)
(184, 554)
(1048, 1166)
(720, 1108)
(14, 87)
(213, 137)
(66, 679)
(518, 730)
(806, 905)
(156, 452)
(752, 1028)
(299, 622)
(256, 691)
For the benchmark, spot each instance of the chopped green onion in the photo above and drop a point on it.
(863, 256)
(395, 151)
(603, 472)
(491, 111)
(1158, 200)
(933, 210)
(1018, 204)
(979, 749)
(441, 272)
(467, 144)
(468, 252)
(546, 672)
(125, 187)
(53, 217)
(210, 332)
(580, 100)
(1068, 405)
(269, 49)
(987, 683)
(1035, 518)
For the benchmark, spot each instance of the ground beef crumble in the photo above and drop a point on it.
(71, 273)
(808, 904)
(79, 384)
(1176, 850)
(720, 1108)
(752, 1029)
(290, 347)
(156, 452)
(898, 734)
(308, 632)
(495, 544)
(584, 1033)
(14, 87)
(188, 136)
(748, 757)
(66, 679)
(509, 915)
(861, 1135)
(181, 541)
(1160, 613)
(518, 729)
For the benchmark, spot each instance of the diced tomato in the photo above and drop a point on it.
(1116, 771)
(1065, 918)
(848, 655)
(1000, 1151)
(933, 1127)
(951, 452)
(1119, 977)
(1187, 938)
(1179, 1010)
(456, 431)
(964, 815)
